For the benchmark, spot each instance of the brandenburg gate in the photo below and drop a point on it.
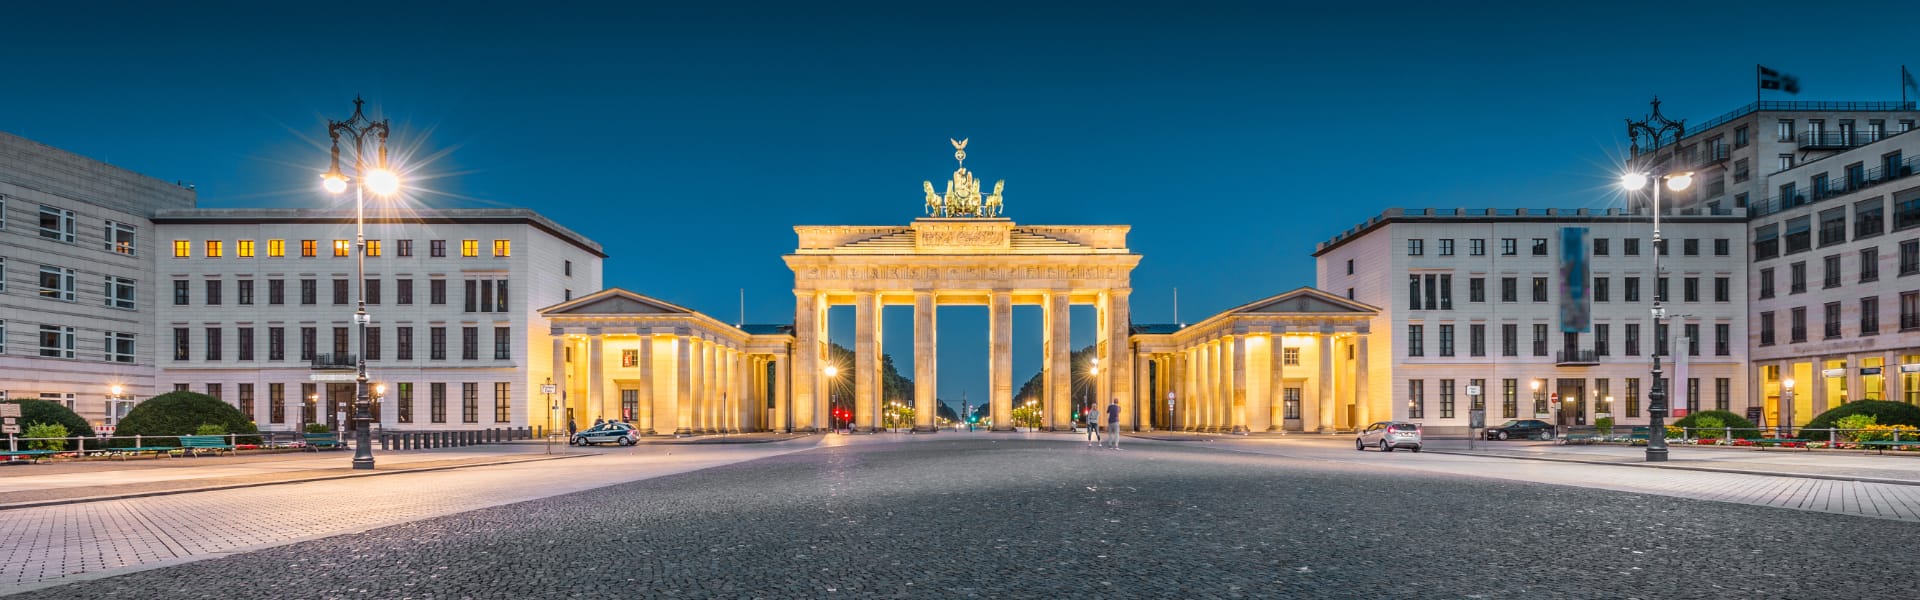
(962, 253)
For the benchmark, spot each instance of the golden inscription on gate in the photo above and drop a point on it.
(970, 235)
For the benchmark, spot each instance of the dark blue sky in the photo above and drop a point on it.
(689, 137)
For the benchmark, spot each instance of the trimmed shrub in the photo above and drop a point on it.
(180, 413)
(1605, 425)
(318, 428)
(210, 429)
(1883, 412)
(47, 430)
(42, 411)
(1742, 428)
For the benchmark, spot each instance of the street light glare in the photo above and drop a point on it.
(383, 182)
(1680, 182)
(1633, 181)
(334, 183)
(1787, 382)
(833, 371)
(116, 389)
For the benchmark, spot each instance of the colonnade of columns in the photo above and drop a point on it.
(665, 380)
(1240, 380)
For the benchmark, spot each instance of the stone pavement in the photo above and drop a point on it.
(1014, 517)
(51, 543)
(1848, 464)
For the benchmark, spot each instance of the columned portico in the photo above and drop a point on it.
(1269, 365)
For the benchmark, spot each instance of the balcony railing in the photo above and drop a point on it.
(1784, 105)
(1710, 154)
(1576, 358)
(1871, 177)
(1836, 139)
(335, 362)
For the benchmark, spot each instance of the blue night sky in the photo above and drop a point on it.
(689, 137)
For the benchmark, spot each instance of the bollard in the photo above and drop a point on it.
(1727, 436)
(83, 446)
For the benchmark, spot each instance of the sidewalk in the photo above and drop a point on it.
(24, 486)
(1841, 465)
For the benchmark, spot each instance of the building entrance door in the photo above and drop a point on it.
(1573, 402)
(339, 399)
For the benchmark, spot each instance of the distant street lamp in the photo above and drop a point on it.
(1785, 411)
(383, 182)
(833, 374)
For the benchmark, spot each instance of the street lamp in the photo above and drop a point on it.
(1657, 398)
(1785, 410)
(383, 182)
(833, 374)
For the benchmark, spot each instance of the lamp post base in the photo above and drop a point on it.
(362, 448)
(1656, 455)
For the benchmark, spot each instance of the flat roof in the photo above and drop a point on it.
(1571, 216)
(464, 216)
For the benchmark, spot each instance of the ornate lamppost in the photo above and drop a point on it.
(382, 181)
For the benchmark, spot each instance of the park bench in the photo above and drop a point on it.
(195, 444)
(123, 453)
(1581, 437)
(34, 455)
(1639, 436)
(316, 441)
(1881, 446)
(1762, 442)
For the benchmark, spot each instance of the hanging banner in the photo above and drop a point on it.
(1576, 300)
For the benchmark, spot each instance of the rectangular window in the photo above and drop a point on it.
(1869, 218)
(1633, 339)
(119, 239)
(1870, 315)
(309, 291)
(57, 224)
(1909, 311)
(436, 343)
(243, 248)
(246, 401)
(1766, 283)
(403, 249)
(276, 249)
(1416, 399)
(276, 403)
(1722, 393)
(1539, 246)
(1509, 339)
(1290, 357)
(119, 292)
(341, 342)
(309, 248)
(342, 248)
(1690, 247)
(1766, 328)
(437, 249)
(1446, 247)
(1722, 289)
(1909, 257)
(1690, 289)
(370, 289)
(1833, 226)
(182, 345)
(500, 295)
(469, 248)
(503, 343)
(213, 343)
(213, 389)
(1797, 278)
(1722, 247)
(473, 296)
(1869, 264)
(214, 293)
(1630, 246)
(1446, 340)
(373, 248)
(1602, 289)
(276, 291)
(1798, 325)
(1509, 289)
(1693, 339)
(436, 291)
(1509, 247)
(1633, 397)
(403, 291)
(340, 292)
(437, 402)
(1831, 322)
(629, 358)
(119, 347)
(403, 401)
(1722, 339)
(245, 343)
(486, 296)
(502, 402)
(1831, 272)
(1741, 137)
(1799, 234)
(309, 343)
(276, 343)
(245, 290)
(1509, 398)
(502, 248)
(1477, 247)
(1416, 344)
(1416, 247)
(1661, 291)
(403, 343)
(1476, 289)
(182, 249)
(1446, 398)
(372, 343)
(1906, 209)
(58, 283)
(309, 403)
(1539, 289)
(469, 402)
(1600, 246)
(1292, 406)
(1539, 339)
(1602, 339)
(1630, 288)
(1477, 339)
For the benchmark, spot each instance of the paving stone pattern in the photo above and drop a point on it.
(975, 517)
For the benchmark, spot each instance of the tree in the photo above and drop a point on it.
(1884, 413)
(180, 413)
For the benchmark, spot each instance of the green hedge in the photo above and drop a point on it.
(52, 413)
(180, 413)
(1742, 428)
(1885, 413)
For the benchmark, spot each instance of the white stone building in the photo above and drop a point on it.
(1836, 300)
(77, 286)
(252, 303)
(1472, 298)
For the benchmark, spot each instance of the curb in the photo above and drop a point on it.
(215, 488)
(1688, 468)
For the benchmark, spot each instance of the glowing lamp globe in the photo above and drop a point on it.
(383, 182)
(334, 183)
(1633, 181)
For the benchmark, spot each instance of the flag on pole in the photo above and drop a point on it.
(1907, 83)
(1775, 80)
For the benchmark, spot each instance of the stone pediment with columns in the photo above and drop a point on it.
(619, 311)
(1304, 310)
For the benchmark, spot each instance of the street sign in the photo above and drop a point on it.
(334, 377)
(548, 388)
(1473, 390)
(1477, 419)
(10, 425)
(10, 410)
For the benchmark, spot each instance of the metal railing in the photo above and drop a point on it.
(1785, 436)
(123, 446)
(335, 361)
(1576, 357)
(1837, 139)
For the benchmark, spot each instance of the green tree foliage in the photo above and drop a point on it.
(42, 411)
(180, 413)
(50, 434)
(1712, 419)
(1883, 412)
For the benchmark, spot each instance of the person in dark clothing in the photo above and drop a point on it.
(1113, 424)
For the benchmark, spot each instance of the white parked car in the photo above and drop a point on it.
(1387, 435)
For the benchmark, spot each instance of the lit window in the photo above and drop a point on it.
(182, 248)
(120, 238)
(276, 248)
(469, 248)
(244, 249)
(340, 247)
(309, 248)
(373, 247)
(56, 341)
(214, 249)
(502, 247)
(57, 283)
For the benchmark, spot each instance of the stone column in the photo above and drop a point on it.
(1059, 400)
(782, 398)
(925, 367)
(559, 375)
(1120, 350)
(1325, 397)
(596, 373)
(1209, 386)
(1277, 376)
(1000, 373)
(805, 367)
(1238, 366)
(723, 393)
(644, 416)
(1362, 402)
(697, 370)
(1143, 394)
(865, 372)
(683, 382)
(1223, 384)
(1187, 403)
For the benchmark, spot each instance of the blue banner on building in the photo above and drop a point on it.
(1576, 300)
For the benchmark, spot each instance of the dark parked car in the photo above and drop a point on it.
(1521, 429)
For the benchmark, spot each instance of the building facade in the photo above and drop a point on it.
(1736, 156)
(1474, 301)
(1852, 219)
(77, 301)
(255, 307)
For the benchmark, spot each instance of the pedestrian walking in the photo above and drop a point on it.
(1091, 418)
(1113, 423)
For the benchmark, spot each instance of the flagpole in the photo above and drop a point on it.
(1756, 94)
